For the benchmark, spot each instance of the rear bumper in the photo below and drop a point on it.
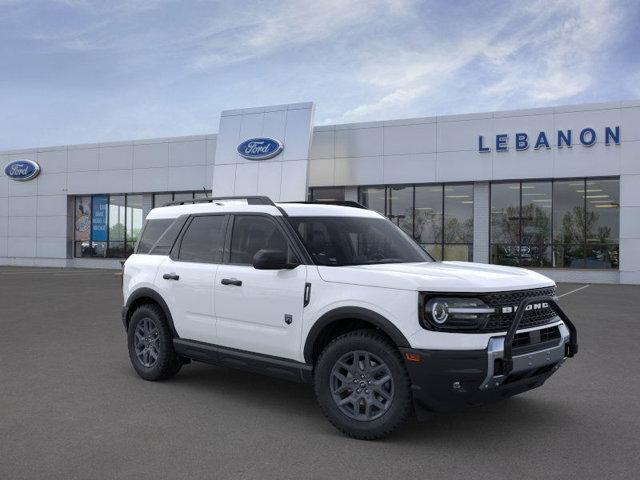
(445, 380)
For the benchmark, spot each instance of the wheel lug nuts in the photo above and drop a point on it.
(358, 390)
(367, 391)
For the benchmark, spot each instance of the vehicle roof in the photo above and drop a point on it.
(241, 206)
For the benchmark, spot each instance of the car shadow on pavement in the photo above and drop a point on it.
(297, 400)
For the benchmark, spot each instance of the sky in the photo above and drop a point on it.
(80, 71)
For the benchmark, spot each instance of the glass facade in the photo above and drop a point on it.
(326, 194)
(439, 217)
(561, 223)
(161, 199)
(107, 226)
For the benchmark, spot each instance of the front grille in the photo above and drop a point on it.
(500, 321)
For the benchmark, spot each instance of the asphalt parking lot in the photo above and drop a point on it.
(72, 407)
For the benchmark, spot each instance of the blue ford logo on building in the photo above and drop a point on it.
(22, 170)
(260, 148)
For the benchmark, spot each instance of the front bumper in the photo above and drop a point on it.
(445, 380)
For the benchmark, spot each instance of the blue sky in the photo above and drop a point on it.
(77, 71)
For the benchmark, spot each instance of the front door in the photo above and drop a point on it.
(259, 310)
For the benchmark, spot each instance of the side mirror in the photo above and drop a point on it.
(271, 260)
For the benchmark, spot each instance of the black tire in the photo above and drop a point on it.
(331, 360)
(167, 363)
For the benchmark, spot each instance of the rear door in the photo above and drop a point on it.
(188, 277)
(259, 310)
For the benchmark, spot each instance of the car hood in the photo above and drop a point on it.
(437, 277)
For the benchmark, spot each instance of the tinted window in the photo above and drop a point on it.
(338, 241)
(204, 240)
(152, 231)
(253, 233)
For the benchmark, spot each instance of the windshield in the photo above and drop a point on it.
(339, 241)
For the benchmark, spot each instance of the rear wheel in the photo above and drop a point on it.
(362, 385)
(151, 344)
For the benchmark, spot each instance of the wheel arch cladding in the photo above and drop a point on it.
(143, 296)
(357, 316)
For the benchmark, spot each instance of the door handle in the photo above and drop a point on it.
(171, 276)
(231, 281)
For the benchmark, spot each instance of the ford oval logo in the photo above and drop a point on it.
(22, 170)
(260, 148)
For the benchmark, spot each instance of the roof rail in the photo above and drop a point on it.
(251, 200)
(341, 203)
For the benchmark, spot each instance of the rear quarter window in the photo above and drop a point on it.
(152, 232)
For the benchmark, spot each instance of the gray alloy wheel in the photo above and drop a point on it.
(361, 385)
(147, 342)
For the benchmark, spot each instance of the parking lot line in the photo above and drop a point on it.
(573, 291)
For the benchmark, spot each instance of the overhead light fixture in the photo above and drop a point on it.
(467, 201)
(597, 196)
(589, 190)
(457, 196)
(611, 205)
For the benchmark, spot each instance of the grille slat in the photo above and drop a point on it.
(532, 318)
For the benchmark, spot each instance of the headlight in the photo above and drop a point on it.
(456, 312)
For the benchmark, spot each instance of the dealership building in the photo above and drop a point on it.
(552, 189)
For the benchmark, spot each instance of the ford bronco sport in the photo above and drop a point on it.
(337, 296)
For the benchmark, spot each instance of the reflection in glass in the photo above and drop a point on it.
(458, 214)
(568, 212)
(373, 198)
(603, 211)
(505, 213)
(134, 221)
(327, 194)
(428, 216)
(161, 199)
(536, 224)
(400, 207)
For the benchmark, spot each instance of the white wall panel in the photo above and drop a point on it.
(188, 153)
(83, 159)
(151, 155)
(150, 179)
(420, 138)
(52, 226)
(21, 246)
(22, 227)
(117, 157)
(358, 142)
(51, 205)
(22, 206)
(52, 161)
(359, 171)
(188, 178)
(322, 144)
(51, 247)
(406, 168)
(52, 184)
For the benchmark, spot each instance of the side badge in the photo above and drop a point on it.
(288, 319)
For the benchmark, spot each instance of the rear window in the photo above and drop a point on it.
(152, 232)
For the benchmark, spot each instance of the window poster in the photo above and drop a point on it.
(99, 218)
(83, 219)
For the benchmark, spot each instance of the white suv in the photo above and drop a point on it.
(337, 296)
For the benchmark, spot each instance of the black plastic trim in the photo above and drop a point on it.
(284, 368)
(352, 313)
(152, 295)
(572, 346)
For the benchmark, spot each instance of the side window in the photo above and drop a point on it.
(204, 240)
(153, 229)
(252, 233)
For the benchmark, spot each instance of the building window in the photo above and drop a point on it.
(161, 199)
(327, 194)
(107, 226)
(564, 224)
(439, 217)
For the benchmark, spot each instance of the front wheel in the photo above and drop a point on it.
(362, 385)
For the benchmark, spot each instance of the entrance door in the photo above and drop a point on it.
(259, 310)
